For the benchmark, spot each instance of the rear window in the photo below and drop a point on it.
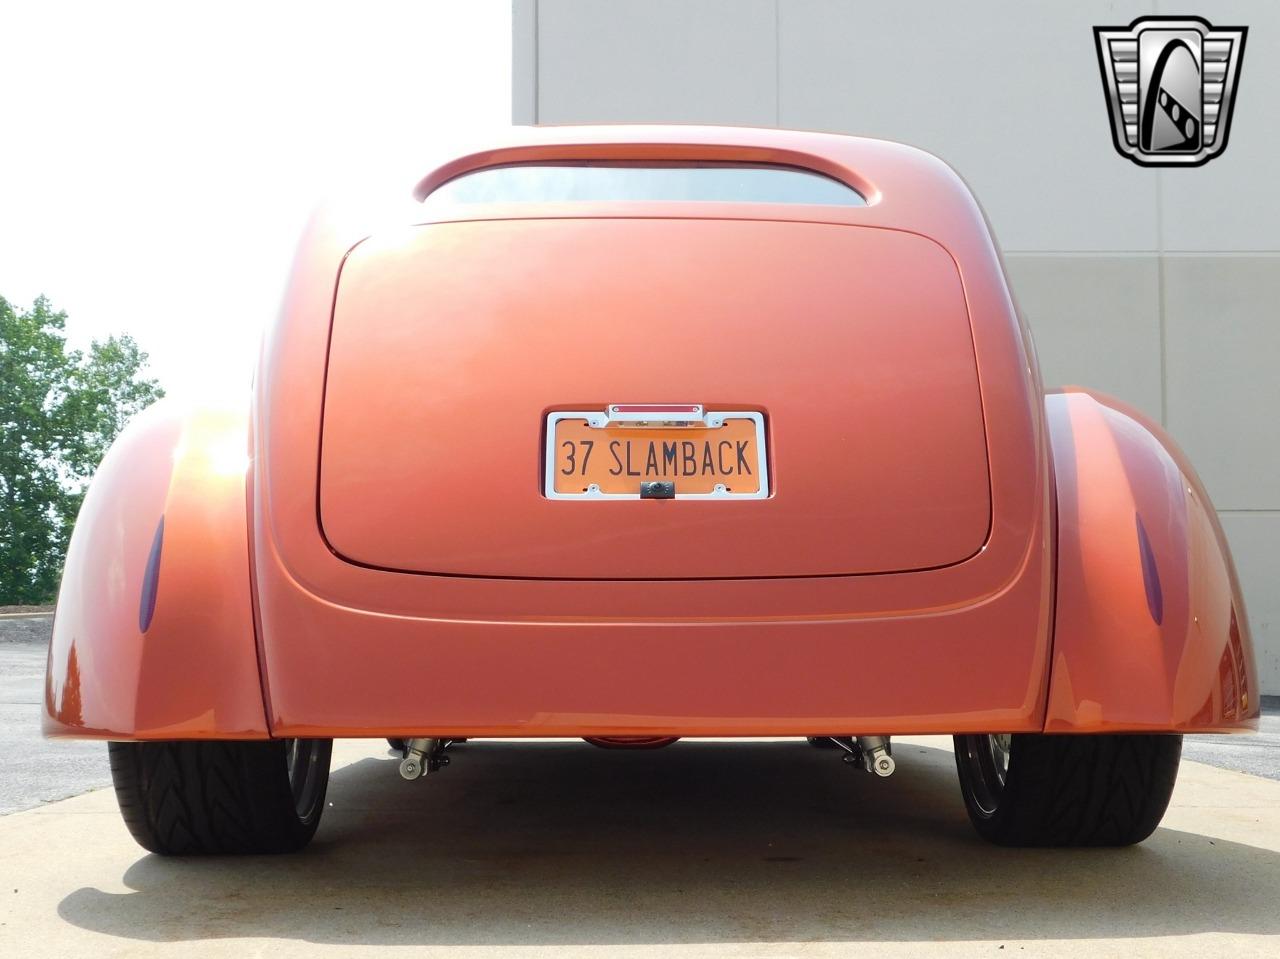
(612, 182)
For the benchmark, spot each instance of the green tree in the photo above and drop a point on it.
(59, 411)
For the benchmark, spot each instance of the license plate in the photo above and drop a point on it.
(656, 451)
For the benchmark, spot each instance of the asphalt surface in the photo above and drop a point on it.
(1257, 755)
(34, 770)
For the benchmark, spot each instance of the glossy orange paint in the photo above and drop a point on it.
(193, 672)
(632, 742)
(349, 648)
(456, 339)
(515, 635)
(1154, 642)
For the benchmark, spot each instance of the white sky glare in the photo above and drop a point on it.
(161, 158)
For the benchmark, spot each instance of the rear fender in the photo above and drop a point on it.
(153, 637)
(1150, 629)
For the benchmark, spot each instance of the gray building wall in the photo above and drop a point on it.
(1161, 287)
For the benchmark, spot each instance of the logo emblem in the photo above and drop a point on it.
(1170, 84)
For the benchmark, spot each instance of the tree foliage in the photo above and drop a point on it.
(59, 411)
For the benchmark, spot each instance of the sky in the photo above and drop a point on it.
(160, 159)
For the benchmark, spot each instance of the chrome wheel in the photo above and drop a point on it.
(308, 763)
(986, 768)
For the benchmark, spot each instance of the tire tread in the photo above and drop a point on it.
(209, 797)
(1082, 790)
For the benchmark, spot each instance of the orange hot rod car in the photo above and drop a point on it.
(641, 433)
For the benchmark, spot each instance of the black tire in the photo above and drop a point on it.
(1083, 790)
(198, 798)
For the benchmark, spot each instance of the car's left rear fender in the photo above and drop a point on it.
(153, 637)
(1150, 627)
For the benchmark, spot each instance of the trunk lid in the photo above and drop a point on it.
(451, 343)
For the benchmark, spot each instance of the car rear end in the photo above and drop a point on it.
(639, 434)
(712, 433)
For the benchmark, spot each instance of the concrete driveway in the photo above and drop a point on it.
(705, 848)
